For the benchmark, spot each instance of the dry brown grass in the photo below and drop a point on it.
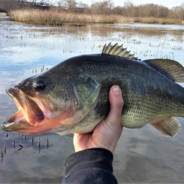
(2, 14)
(57, 18)
(54, 18)
(153, 20)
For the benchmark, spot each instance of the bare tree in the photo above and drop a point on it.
(60, 4)
(6, 5)
(70, 5)
(104, 7)
(177, 12)
(129, 9)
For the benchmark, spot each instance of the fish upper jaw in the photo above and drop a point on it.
(28, 111)
(15, 93)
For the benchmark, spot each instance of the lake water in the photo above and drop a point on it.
(142, 156)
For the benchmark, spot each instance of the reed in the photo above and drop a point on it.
(153, 20)
(39, 17)
(55, 18)
(2, 14)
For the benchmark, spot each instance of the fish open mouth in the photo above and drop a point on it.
(28, 114)
(30, 118)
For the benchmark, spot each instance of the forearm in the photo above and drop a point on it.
(90, 166)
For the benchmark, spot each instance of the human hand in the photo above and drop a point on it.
(107, 133)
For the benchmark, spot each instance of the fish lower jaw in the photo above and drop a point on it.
(6, 125)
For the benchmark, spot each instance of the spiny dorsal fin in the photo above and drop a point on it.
(172, 69)
(116, 50)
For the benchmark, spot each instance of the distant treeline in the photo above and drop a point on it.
(7, 5)
(128, 9)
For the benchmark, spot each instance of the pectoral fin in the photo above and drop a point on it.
(168, 127)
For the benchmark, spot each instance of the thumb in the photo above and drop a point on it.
(116, 105)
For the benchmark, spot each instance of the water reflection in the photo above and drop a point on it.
(142, 155)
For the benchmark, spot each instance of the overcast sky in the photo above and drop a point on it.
(167, 3)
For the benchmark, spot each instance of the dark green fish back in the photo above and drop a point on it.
(149, 95)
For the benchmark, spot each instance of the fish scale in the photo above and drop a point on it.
(73, 96)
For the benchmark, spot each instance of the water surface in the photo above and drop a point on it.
(142, 156)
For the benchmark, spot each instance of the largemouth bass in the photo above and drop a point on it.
(72, 97)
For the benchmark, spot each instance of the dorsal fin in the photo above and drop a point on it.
(116, 50)
(172, 69)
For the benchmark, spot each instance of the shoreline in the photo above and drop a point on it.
(3, 14)
(55, 18)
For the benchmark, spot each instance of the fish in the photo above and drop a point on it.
(72, 97)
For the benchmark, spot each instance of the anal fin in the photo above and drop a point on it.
(168, 127)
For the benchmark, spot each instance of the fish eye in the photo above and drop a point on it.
(39, 85)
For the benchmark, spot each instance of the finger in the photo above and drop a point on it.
(116, 105)
(76, 138)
